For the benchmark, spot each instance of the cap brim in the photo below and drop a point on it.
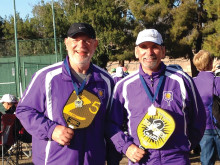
(73, 34)
(154, 41)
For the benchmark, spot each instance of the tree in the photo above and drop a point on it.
(1, 28)
(211, 31)
(185, 31)
(43, 19)
(181, 22)
(196, 26)
(110, 22)
(186, 25)
(25, 28)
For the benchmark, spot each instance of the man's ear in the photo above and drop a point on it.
(136, 52)
(164, 52)
(65, 40)
(96, 43)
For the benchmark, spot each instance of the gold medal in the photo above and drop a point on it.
(78, 103)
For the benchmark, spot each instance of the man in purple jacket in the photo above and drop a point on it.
(166, 104)
(64, 88)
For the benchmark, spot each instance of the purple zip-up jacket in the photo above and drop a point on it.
(40, 111)
(184, 105)
(205, 81)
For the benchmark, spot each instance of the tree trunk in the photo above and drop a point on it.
(193, 68)
(121, 63)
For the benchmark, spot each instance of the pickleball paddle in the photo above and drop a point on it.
(154, 130)
(81, 117)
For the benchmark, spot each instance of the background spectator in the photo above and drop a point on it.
(9, 102)
(207, 84)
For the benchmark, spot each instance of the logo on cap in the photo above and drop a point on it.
(154, 35)
(81, 27)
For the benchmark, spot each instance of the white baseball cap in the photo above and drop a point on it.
(149, 35)
(8, 98)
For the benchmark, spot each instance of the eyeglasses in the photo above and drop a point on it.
(88, 42)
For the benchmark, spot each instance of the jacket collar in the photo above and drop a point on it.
(206, 74)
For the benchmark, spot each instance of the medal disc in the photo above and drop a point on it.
(154, 130)
(152, 110)
(78, 103)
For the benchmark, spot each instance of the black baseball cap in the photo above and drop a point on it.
(81, 28)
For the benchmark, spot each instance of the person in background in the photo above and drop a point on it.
(125, 69)
(71, 85)
(9, 102)
(153, 90)
(113, 156)
(113, 70)
(217, 70)
(119, 74)
(207, 85)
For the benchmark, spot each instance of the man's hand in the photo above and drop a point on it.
(62, 135)
(134, 153)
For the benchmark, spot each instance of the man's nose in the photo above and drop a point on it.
(82, 43)
(149, 51)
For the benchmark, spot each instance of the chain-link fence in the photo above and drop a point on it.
(33, 55)
(31, 47)
(7, 78)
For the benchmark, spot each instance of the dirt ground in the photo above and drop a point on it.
(194, 159)
(134, 65)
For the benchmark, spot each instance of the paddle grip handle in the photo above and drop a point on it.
(69, 126)
(141, 147)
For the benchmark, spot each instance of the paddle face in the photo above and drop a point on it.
(154, 130)
(81, 117)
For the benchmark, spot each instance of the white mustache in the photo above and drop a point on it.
(81, 51)
(149, 58)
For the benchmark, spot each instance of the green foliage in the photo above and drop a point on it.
(211, 31)
(43, 20)
(186, 26)
(7, 48)
(29, 47)
(109, 20)
(183, 30)
(25, 29)
(1, 28)
(211, 43)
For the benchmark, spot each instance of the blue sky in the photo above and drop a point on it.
(23, 7)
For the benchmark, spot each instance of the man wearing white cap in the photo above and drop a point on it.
(9, 103)
(164, 111)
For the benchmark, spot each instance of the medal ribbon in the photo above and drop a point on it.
(77, 90)
(146, 88)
